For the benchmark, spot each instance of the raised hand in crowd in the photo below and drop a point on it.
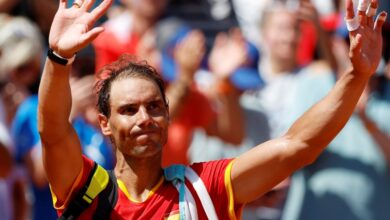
(188, 55)
(228, 54)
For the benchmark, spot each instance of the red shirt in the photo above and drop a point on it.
(162, 202)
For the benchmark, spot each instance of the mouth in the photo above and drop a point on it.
(144, 133)
(145, 137)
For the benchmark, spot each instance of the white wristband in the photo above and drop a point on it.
(352, 24)
(363, 5)
(371, 11)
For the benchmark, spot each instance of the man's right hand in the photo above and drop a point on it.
(73, 28)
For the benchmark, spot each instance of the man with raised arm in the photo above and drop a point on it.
(134, 114)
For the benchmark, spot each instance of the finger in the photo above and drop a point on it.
(77, 3)
(350, 19)
(88, 4)
(91, 35)
(380, 20)
(63, 4)
(350, 14)
(356, 45)
(371, 12)
(101, 9)
(362, 8)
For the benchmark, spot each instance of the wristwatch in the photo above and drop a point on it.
(53, 56)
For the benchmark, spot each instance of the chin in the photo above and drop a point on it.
(146, 151)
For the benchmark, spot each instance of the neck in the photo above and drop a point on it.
(139, 175)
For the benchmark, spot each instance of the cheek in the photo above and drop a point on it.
(121, 127)
(163, 123)
(163, 120)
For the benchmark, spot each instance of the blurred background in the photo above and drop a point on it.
(237, 73)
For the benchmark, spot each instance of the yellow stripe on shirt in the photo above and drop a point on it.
(60, 205)
(229, 190)
(122, 186)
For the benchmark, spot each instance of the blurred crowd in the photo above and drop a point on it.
(237, 73)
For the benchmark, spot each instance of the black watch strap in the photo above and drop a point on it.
(58, 59)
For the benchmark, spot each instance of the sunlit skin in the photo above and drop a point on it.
(138, 121)
(139, 118)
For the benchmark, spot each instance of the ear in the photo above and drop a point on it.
(104, 125)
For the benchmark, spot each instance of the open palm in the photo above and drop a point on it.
(228, 54)
(366, 41)
(72, 28)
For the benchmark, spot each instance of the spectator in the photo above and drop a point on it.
(184, 95)
(40, 12)
(6, 164)
(12, 185)
(134, 113)
(20, 61)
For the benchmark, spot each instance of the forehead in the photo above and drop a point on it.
(282, 18)
(133, 90)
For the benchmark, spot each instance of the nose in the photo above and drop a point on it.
(143, 116)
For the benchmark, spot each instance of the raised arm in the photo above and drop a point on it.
(188, 55)
(228, 54)
(72, 29)
(258, 170)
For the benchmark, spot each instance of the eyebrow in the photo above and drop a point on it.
(126, 105)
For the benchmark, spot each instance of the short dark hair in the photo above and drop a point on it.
(125, 67)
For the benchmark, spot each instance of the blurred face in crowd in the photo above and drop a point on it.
(138, 122)
(281, 35)
(27, 73)
(148, 8)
